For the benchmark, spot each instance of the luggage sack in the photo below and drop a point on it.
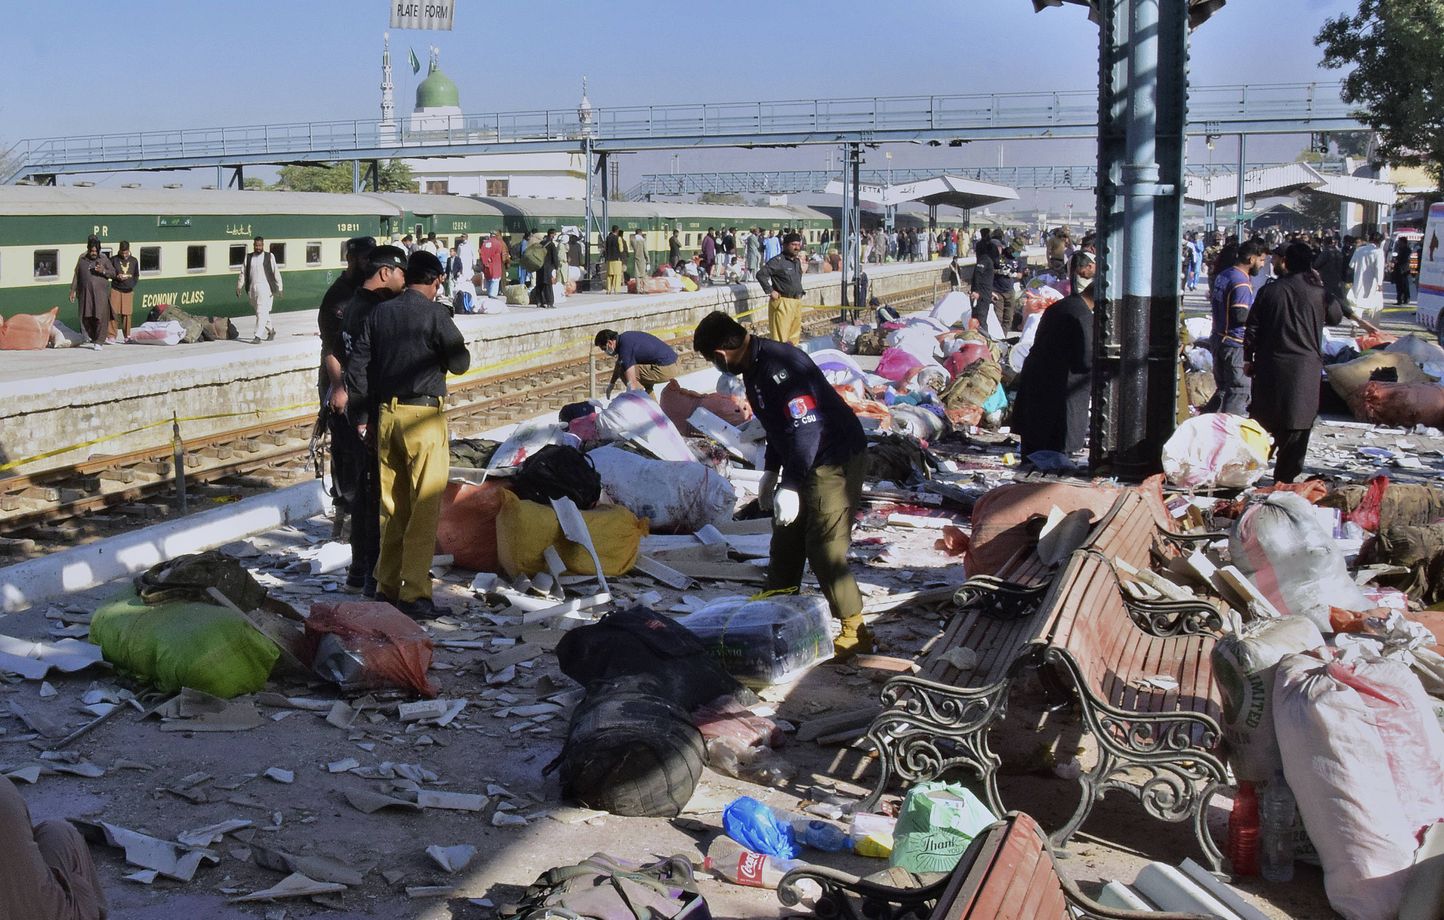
(630, 751)
(607, 888)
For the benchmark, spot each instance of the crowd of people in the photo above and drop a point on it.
(1270, 298)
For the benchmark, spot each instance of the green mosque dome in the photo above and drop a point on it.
(437, 91)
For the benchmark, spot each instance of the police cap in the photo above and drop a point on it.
(360, 246)
(387, 256)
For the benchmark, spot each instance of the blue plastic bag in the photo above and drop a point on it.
(753, 825)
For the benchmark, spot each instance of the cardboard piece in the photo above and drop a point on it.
(663, 573)
(450, 801)
(148, 852)
(574, 528)
(34, 660)
(294, 885)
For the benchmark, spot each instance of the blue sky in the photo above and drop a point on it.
(154, 64)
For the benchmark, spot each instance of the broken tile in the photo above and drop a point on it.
(294, 885)
(453, 858)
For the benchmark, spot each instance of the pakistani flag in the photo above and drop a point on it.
(415, 64)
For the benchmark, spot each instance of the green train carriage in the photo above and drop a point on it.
(190, 244)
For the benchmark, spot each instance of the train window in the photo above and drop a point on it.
(195, 258)
(237, 255)
(278, 250)
(47, 263)
(149, 259)
(313, 253)
(686, 239)
(343, 250)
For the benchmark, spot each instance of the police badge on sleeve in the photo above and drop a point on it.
(802, 409)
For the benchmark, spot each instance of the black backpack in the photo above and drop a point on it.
(639, 642)
(558, 471)
(630, 750)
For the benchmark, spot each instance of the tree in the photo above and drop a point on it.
(393, 176)
(1398, 73)
(1320, 211)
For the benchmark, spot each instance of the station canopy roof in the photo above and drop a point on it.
(1269, 181)
(1288, 179)
(1198, 10)
(953, 191)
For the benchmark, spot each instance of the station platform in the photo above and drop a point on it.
(64, 406)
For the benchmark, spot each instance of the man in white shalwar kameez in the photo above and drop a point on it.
(260, 281)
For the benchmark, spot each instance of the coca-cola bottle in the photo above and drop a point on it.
(742, 866)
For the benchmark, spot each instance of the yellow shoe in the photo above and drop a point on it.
(856, 639)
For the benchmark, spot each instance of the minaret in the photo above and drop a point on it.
(387, 127)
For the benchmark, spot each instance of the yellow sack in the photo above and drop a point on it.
(1254, 435)
(688, 284)
(525, 529)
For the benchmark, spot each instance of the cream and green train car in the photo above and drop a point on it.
(448, 216)
(190, 244)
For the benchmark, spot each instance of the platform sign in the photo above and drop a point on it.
(1431, 271)
(422, 14)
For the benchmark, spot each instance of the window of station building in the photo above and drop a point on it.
(195, 258)
(498, 188)
(47, 263)
(313, 253)
(437, 187)
(279, 251)
(149, 259)
(237, 256)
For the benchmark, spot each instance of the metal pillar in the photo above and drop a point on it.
(238, 177)
(844, 247)
(591, 220)
(854, 154)
(606, 191)
(1142, 111)
(356, 181)
(1238, 220)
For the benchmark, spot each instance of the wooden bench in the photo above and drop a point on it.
(1149, 701)
(938, 719)
(1137, 538)
(1007, 873)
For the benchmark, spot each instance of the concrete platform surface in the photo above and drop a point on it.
(74, 404)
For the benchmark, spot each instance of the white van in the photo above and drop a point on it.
(1431, 270)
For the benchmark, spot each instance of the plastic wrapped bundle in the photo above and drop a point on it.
(765, 642)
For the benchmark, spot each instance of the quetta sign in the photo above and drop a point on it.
(422, 14)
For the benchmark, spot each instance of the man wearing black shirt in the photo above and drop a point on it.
(543, 294)
(347, 454)
(815, 461)
(397, 375)
(781, 280)
(612, 251)
(381, 276)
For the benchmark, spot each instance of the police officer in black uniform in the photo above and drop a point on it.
(381, 277)
(815, 464)
(330, 381)
(397, 378)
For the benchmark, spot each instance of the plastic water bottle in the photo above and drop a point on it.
(819, 835)
(1276, 819)
(742, 866)
(1243, 831)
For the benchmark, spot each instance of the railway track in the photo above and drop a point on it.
(62, 507)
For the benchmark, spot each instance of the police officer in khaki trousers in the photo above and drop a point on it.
(399, 364)
(812, 482)
(781, 279)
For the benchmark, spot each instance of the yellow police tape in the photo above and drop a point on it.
(474, 372)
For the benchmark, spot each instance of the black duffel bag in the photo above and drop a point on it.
(639, 642)
(558, 471)
(630, 750)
